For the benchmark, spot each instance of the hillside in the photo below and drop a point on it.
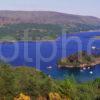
(38, 86)
(45, 17)
(42, 25)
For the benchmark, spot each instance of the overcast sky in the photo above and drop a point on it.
(81, 7)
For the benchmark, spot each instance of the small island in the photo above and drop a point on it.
(79, 60)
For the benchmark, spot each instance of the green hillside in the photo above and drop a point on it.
(40, 31)
(35, 84)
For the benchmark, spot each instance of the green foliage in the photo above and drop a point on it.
(77, 59)
(30, 31)
(33, 83)
(79, 27)
(13, 81)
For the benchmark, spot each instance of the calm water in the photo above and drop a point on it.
(7, 50)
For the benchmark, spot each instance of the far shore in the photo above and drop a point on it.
(45, 40)
(14, 41)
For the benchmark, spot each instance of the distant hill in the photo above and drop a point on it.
(44, 17)
(43, 25)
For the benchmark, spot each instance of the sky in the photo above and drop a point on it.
(80, 7)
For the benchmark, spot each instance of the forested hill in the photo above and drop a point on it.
(45, 17)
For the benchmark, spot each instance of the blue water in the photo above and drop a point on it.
(34, 52)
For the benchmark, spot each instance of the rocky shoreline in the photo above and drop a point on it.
(80, 66)
(84, 62)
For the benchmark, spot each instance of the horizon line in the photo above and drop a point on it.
(48, 11)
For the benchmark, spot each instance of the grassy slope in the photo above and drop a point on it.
(14, 81)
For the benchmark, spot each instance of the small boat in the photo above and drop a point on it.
(50, 67)
(88, 67)
(91, 72)
(93, 47)
(81, 70)
(84, 68)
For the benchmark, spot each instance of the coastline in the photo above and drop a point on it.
(84, 65)
(45, 40)
(14, 41)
